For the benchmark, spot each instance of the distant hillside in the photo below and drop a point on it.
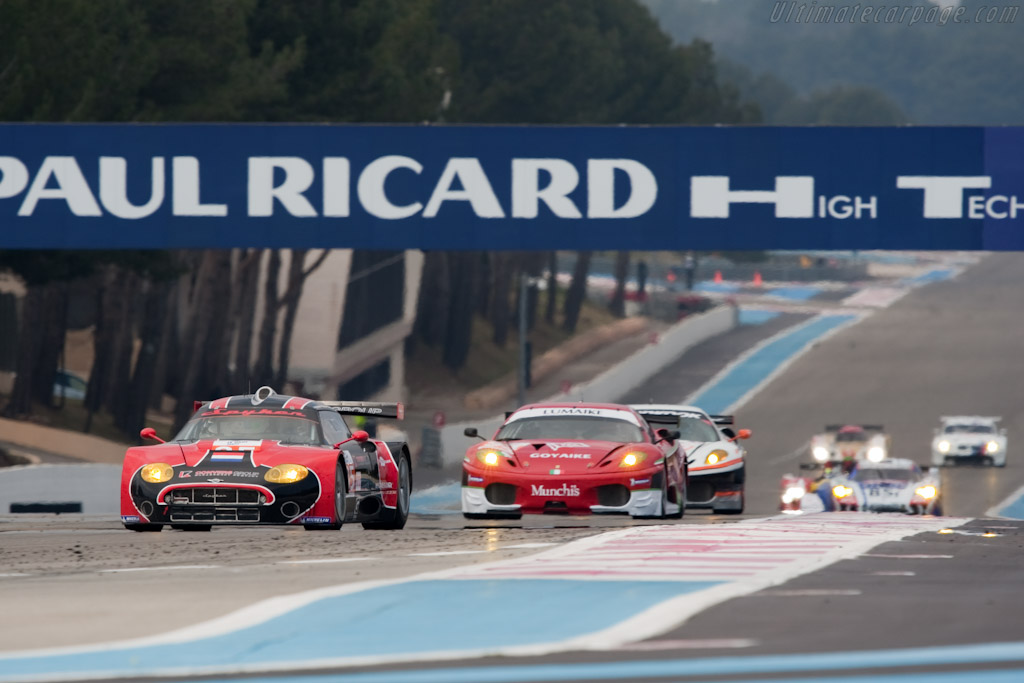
(956, 74)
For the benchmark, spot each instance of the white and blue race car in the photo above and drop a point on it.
(716, 461)
(893, 485)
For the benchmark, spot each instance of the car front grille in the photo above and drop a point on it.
(212, 495)
(214, 514)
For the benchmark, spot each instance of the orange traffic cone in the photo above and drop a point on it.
(757, 279)
(718, 277)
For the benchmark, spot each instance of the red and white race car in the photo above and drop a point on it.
(574, 458)
(268, 459)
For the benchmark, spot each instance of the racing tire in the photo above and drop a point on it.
(143, 527)
(493, 515)
(192, 527)
(401, 515)
(734, 511)
(340, 489)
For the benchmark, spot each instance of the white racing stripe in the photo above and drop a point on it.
(327, 560)
(158, 569)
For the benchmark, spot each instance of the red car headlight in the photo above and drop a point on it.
(632, 459)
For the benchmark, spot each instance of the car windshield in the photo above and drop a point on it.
(696, 429)
(292, 430)
(969, 429)
(883, 474)
(850, 436)
(575, 427)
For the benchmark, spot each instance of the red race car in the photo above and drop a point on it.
(574, 458)
(268, 459)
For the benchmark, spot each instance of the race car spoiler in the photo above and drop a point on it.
(867, 428)
(672, 417)
(394, 411)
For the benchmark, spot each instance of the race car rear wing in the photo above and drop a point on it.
(867, 428)
(723, 419)
(394, 411)
(663, 417)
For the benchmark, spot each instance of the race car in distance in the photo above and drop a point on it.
(715, 459)
(268, 459)
(574, 458)
(850, 444)
(969, 439)
(895, 485)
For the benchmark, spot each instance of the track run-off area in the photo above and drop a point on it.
(850, 596)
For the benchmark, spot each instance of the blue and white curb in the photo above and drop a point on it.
(597, 593)
(742, 379)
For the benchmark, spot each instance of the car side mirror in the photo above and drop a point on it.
(472, 433)
(744, 434)
(358, 435)
(150, 433)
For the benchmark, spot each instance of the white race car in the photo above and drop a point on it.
(969, 439)
(716, 460)
(895, 485)
(849, 444)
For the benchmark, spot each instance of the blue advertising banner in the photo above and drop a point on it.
(73, 186)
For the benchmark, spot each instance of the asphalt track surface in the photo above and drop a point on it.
(947, 348)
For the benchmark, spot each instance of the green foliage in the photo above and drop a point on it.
(956, 74)
(579, 61)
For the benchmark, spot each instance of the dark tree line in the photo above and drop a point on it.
(183, 323)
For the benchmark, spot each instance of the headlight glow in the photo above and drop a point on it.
(992, 447)
(286, 474)
(793, 494)
(820, 453)
(157, 473)
(841, 491)
(489, 458)
(876, 454)
(715, 457)
(944, 446)
(632, 459)
(926, 492)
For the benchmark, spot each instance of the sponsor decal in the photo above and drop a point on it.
(237, 444)
(185, 474)
(386, 485)
(232, 412)
(555, 471)
(475, 480)
(571, 411)
(563, 491)
(561, 456)
(639, 482)
(130, 519)
(226, 457)
(315, 520)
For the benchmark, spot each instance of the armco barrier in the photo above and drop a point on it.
(618, 380)
(90, 489)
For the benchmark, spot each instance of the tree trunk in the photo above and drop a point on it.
(500, 308)
(132, 416)
(49, 341)
(465, 269)
(291, 304)
(577, 292)
(105, 336)
(552, 299)
(168, 349)
(214, 380)
(263, 372)
(618, 302)
(248, 279)
(432, 308)
(129, 286)
(206, 308)
(31, 316)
